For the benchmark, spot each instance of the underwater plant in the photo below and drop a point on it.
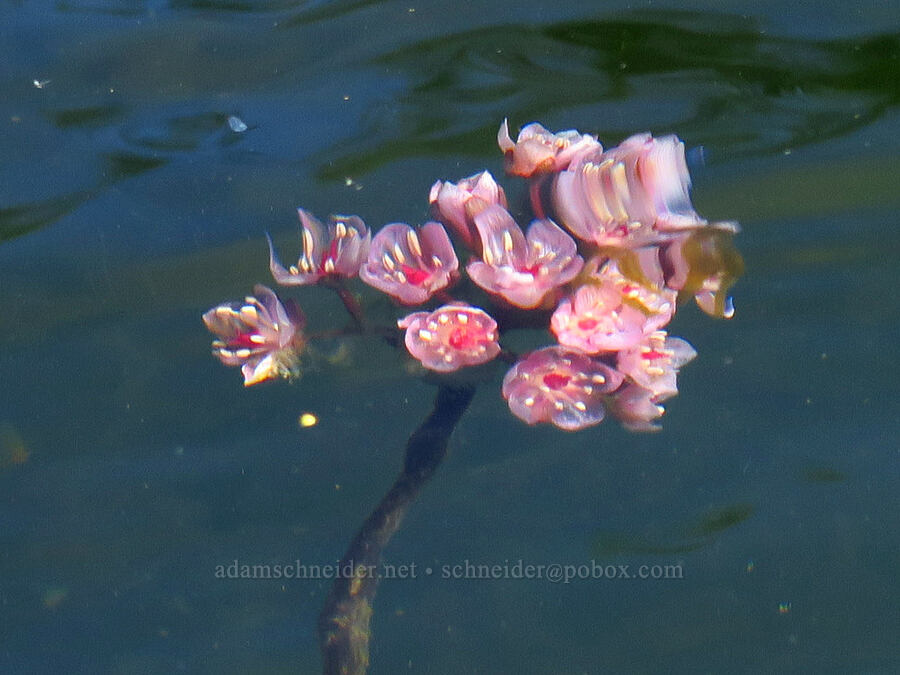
(613, 247)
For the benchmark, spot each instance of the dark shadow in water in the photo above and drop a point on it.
(823, 474)
(180, 133)
(154, 147)
(22, 219)
(712, 78)
(87, 116)
(16, 221)
(126, 164)
(681, 539)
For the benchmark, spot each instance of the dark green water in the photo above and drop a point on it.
(132, 464)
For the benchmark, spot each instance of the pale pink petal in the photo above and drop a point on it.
(339, 252)
(521, 268)
(595, 320)
(561, 386)
(640, 291)
(635, 408)
(458, 204)
(654, 363)
(350, 239)
(262, 335)
(628, 196)
(451, 337)
(538, 151)
(408, 265)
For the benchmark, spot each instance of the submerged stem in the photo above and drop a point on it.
(351, 304)
(344, 621)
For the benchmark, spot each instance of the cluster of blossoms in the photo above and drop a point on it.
(614, 245)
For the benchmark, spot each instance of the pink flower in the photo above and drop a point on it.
(261, 335)
(451, 337)
(629, 194)
(614, 312)
(654, 363)
(644, 288)
(596, 320)
(705, 264)
(635, 408)
(519, 268)
(560, 386)
(538, 151)
(339, 252)
(410, 266)
(458, 204)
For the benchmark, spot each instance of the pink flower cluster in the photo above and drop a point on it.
(613, 246)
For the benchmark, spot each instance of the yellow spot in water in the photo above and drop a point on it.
(307, 420)
(12, 446)
(53, 597)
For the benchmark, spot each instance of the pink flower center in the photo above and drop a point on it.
(652, 355)
(587, 324)
(414, 275)
(242, 340)
(462, 338)
(556, 381)
(331, 253)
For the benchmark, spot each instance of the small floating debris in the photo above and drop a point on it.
(307, 420)
(236, 124)
(12, 447)
(54, 596)
(40, 84)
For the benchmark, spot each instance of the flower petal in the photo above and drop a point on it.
(561, 386)
(451, 337)
(410, 265)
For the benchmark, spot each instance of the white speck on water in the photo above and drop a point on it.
(236, 124)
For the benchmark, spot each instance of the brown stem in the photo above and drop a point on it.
(344, 621)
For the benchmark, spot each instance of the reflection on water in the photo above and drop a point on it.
(725, 83)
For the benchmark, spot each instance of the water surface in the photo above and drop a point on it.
(131, 463)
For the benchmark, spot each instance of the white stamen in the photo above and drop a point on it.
(413, 242)
(307, 243)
